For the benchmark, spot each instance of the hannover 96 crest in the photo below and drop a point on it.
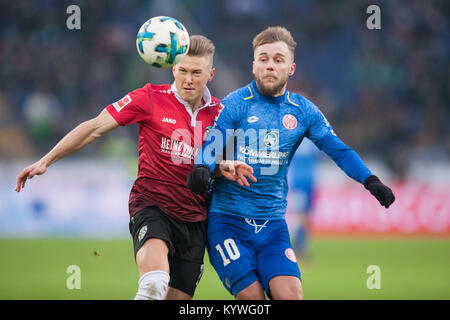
(142, 232)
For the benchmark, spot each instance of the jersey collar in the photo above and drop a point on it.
(206, 99)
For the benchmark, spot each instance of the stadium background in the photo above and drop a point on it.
(386, 93)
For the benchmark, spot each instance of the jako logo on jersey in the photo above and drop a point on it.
(119, 105)
(289, 121)
(252, 119)
(290, 255)
(168, 120)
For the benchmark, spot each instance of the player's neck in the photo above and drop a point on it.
(281, 92)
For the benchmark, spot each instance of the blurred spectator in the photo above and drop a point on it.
(42, 112)
(14, 142)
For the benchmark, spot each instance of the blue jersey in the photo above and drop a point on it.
(265, 131)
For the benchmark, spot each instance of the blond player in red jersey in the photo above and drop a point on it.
(167, 220)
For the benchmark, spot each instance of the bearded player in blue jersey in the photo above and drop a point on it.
(263, 124)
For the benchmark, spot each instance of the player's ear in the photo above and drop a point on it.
(253, 66)
(211, 74)
(174, 69)
(292, 69)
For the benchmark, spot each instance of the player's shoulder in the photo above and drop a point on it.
(159, 89)
(239, 96)
(299, 100)
(213, 107)
(215, 102)
(309, 109)
(150, 90)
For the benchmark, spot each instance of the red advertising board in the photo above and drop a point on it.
(350, 209)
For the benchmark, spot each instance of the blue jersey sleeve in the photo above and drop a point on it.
(322, 134)
(345, 157)
(319, 126)
(225, 123)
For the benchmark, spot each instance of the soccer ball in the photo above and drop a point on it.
(162, 41)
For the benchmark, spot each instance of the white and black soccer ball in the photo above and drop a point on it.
(162, 41)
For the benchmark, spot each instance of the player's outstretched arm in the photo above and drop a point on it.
(350, 162)
(75, 140)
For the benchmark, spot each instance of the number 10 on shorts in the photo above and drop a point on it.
(231, 249)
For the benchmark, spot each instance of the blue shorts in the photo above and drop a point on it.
(243, 251)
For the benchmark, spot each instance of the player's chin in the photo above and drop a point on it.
(271, 88)
(187, 94)
(270, 84)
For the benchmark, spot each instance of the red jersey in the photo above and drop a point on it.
(170, 136)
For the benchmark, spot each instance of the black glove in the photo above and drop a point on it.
(383, 193)
(198, 178)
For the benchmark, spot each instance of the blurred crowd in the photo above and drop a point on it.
(386, 92)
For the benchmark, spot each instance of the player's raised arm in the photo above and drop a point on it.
(75, 140)
(322, 134)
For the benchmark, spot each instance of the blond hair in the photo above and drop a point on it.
(274, 34)
(200, 46)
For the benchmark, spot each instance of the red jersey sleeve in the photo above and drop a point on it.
(133, 108)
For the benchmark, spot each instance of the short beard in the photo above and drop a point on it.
(271, 91)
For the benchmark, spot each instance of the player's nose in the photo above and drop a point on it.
(188, 79)
(270, 65)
